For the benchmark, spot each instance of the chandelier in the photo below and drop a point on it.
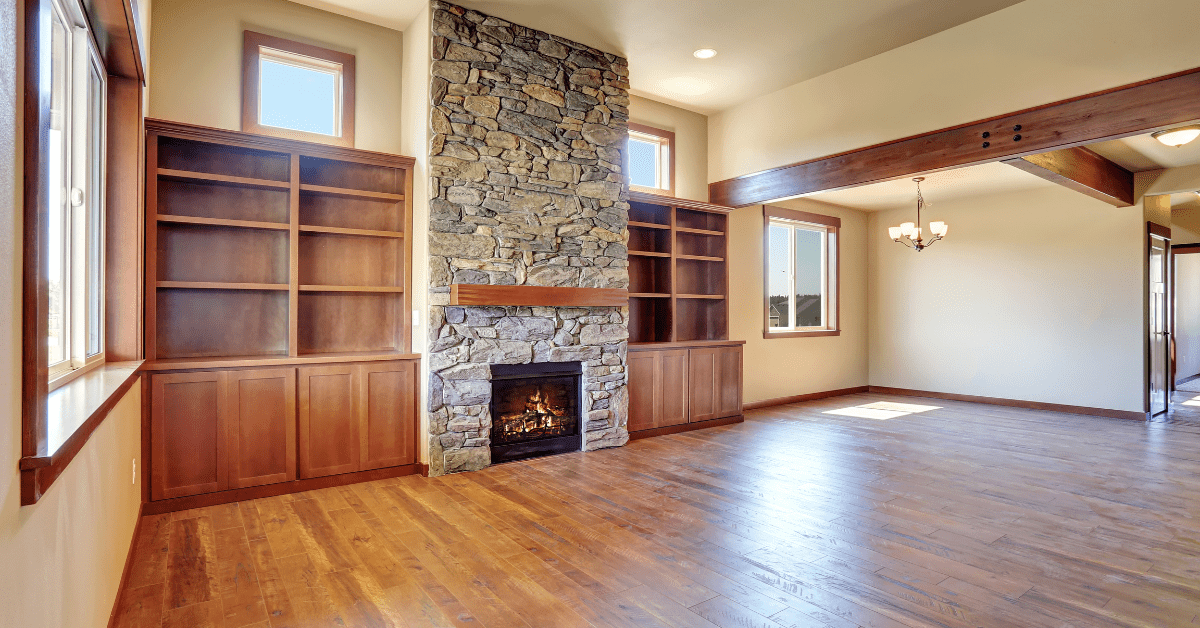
(909, 233)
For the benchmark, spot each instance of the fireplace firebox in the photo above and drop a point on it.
(535, 410)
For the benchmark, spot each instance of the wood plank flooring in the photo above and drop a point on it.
(963, 516)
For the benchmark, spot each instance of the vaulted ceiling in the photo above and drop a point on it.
(762, 45)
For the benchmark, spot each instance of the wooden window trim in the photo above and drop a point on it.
(834, 225)
(251, 43)
(669, 137)
(96, 389)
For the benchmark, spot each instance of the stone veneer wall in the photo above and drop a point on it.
(527, 189)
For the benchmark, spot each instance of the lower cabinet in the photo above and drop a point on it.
(356, 417)
(674, 386)
(236, 428)
(658, 389)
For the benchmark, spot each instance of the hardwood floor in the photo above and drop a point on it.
(964, 516)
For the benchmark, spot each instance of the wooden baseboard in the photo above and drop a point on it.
(1015, 403)
(779, 401)
(685, 427)
(271, 490)
(1180, 382)
(423, 470)
(137, 529)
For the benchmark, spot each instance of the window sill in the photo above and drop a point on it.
(802, 334)
(74, 411)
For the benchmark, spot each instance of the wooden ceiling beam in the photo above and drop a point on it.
(1132, 109)
(1081, 170)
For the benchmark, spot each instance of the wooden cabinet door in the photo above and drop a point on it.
(187, 434)
(658, 385)
(716, 382)
(328, 420)
(387, 414)
(673, 382)
(261, 411)
(643, 391)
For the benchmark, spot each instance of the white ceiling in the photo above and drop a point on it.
(762, 45)
(938, 187)
(1142, 152)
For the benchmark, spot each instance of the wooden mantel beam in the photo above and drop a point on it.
(1081, 170)
(1128, 110)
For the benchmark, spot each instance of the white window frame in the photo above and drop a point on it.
(78, 197)
(664, 170)
(304, 62)
(829, 228)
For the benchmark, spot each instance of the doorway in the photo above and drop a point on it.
(1160, 384)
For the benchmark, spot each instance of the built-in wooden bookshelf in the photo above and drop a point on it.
(261, 247)
(678, 276)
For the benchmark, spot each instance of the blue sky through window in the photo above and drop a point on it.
(301, 99)
(642, 163)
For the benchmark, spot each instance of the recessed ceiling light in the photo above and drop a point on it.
(1177, 137)
(705, 53)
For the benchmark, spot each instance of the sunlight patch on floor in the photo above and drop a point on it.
(1194, 401)
(882, 410)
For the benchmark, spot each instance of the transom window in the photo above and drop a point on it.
(75, 224)
(292, 89)
(651, 157)
(800, 273)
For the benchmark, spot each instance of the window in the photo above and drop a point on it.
(75, 215)
(801, 273)
(651, 157)
(291, 89)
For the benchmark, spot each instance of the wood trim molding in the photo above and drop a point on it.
(114, 24)
(683, 344)
(176, 504)
(658, 199)
(1131, 109)
(1155, 229)
(251, 43)
(275, 144)
(1184, 249)
(783, 213)
(686, 427)
(1082, 170)
(770, 335)
(781, 401)
(669, 136)
(477, 294)
(1014, 403)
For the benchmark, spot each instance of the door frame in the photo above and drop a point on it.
(1155, 230)
(1177, 249)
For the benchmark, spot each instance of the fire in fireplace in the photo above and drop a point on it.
(535, 409)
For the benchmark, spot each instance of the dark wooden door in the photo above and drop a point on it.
(187, 434)
(716, 382)
(387, 414)
(261, 411)
(328, 420)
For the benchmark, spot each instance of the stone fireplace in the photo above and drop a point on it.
(535, 410)
(526, 189)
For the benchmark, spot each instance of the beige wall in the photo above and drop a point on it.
(62, 557)
(196, 62)
(783, 367)
(1035, 295)
(1029, 54)
(414, 121)
(691, 142)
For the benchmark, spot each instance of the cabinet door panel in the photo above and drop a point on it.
(328, 417)
(262, 426)
(702, 366)
(389, 414)
(643, 391)
(673, 380)
(187, 434)
(729, 382)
